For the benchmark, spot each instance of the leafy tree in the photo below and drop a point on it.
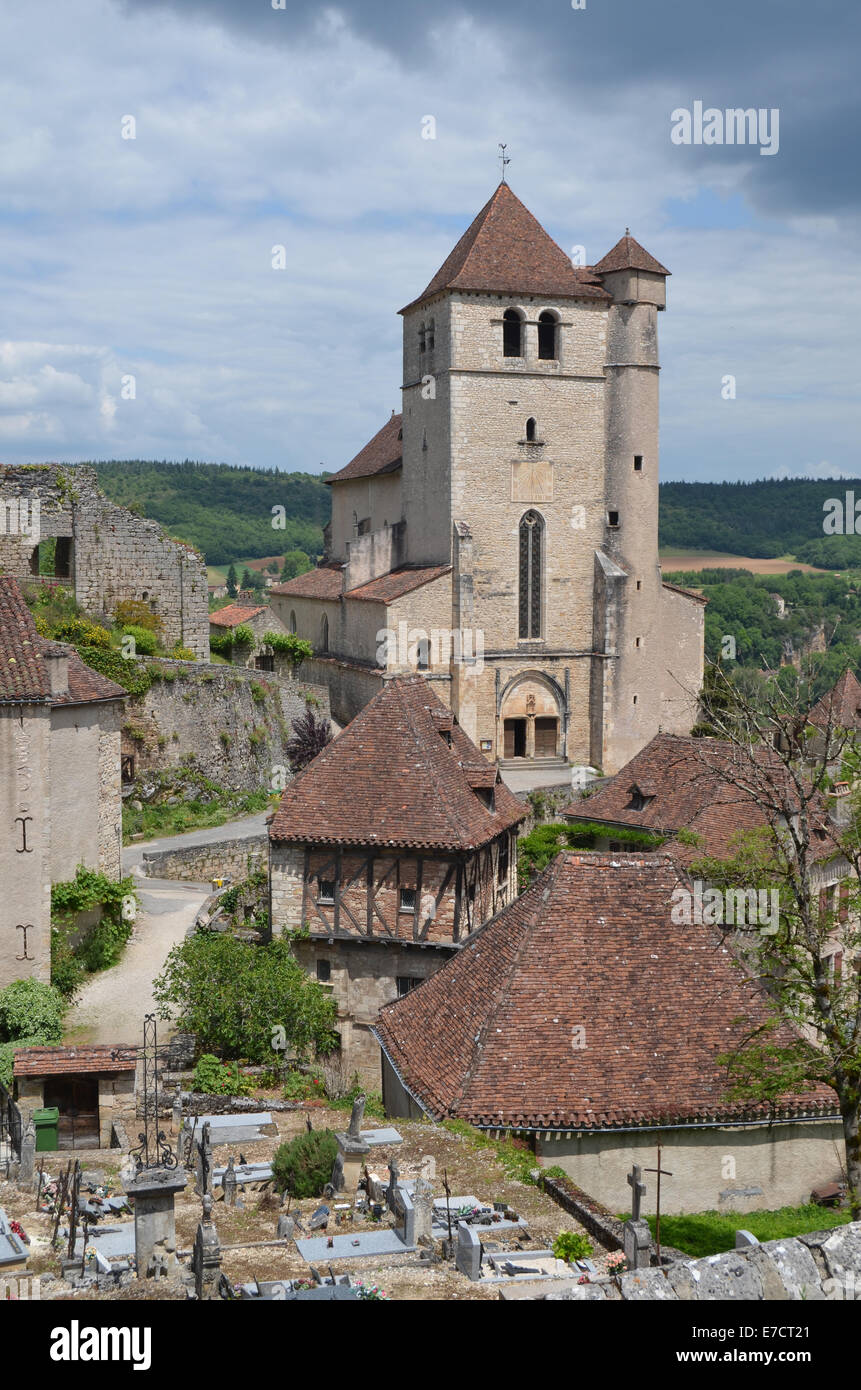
(303, 1166)
(295, 562)
(309, 738)
(233, 994)
(232, 586)
(787, 767)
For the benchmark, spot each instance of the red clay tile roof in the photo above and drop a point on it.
(234, 614)
(24, 673)
(391, 779)
(507, 251)
(491, 1037)
(628, 254)
(839, 708)
(51, 1061)
(688, 593)
(383, 454)
(325, 582)
(689, 782)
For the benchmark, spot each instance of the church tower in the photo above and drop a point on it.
(507, 521)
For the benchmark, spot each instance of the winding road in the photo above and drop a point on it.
(111, 1006)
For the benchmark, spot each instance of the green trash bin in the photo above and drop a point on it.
(46, 1122)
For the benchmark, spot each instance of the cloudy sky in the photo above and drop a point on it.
(151, 258)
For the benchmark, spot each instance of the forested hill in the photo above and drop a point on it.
(760, 519)
(225, 512)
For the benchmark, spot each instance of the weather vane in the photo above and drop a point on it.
(503, 159)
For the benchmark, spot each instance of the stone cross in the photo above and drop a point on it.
(356, 1115)
(28, 1154)
(423, 1203)
(203, 1163)
(638, 1190)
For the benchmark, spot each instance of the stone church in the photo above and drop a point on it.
(500, 536)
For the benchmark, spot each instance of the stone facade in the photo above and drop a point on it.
(25, 864)
(567, 444)
(106, 553)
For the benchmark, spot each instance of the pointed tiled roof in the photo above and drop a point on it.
(382, 454)
(839, 707)
(24, 676)
(583, 1005)
(507, 251)
(628, 254)
(392, 779)
(235, 614)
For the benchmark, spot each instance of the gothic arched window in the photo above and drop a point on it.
(530, 430)
(531, 559)
(547, 335)
(324, 634)
(293, 628)
(512, 334)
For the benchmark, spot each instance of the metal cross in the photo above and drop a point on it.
(22, 821)
(667, 1174)
(25, 930)
(638, 1190)
(503, 159)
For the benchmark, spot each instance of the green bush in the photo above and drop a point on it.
(287, 644)
(81, 631)
(29, 1008)
(243, 636)
(216, 1078)
(145, 640)
(7, 1055)
(304, 1166)
(571, 1245)
(300, 1085)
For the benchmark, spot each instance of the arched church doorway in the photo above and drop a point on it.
(532, 720)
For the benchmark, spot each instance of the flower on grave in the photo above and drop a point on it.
(90, 1254)
(616, 1263)
(584, 1279)
(18, 1230)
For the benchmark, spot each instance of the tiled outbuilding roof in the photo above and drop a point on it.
(506, 251)
(234, 614)
(582, 1005)
(628, 254)
(86, 686)
(325, 582)
(392, 779)
(55, 1061)
(382, 454)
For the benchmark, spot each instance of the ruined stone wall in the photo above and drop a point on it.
(114, 555)
(233, 722)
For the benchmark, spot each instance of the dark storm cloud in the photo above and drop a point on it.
(798, 57)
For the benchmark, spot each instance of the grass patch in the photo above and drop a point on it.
(711, 1232)
(514, 1155)
(153, 822)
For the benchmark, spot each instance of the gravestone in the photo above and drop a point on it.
(228, 1183)
(744, 1239)
(206, 1259)
(154, 1191)
(352, 1152)
(468, 1253)
(286, 1226)
(203, 1164)
(27, 1166)
(638, 1244)
(423, 1205)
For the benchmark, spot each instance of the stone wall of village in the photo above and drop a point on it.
(109, 554)
(25, 845)
(234, 859)
(232, 722)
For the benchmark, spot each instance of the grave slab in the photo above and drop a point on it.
(113, 1242)
(233, 1129)
(381, 1136)
(13, 1252)
(317, 1250)
(245, 1173)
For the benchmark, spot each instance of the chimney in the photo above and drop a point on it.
(56, 659)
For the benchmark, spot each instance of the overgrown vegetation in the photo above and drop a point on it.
(31, 1015)
(182, 798)
(515, 1156)
(103, 944)
(212, 1077)
(541, 845)
(572, 1245)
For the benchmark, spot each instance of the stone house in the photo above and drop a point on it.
(92, 1086)
(585, 1020)
(391, 848)
(60, 788)
(105, 553)
(500, 534)
(260, 618)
